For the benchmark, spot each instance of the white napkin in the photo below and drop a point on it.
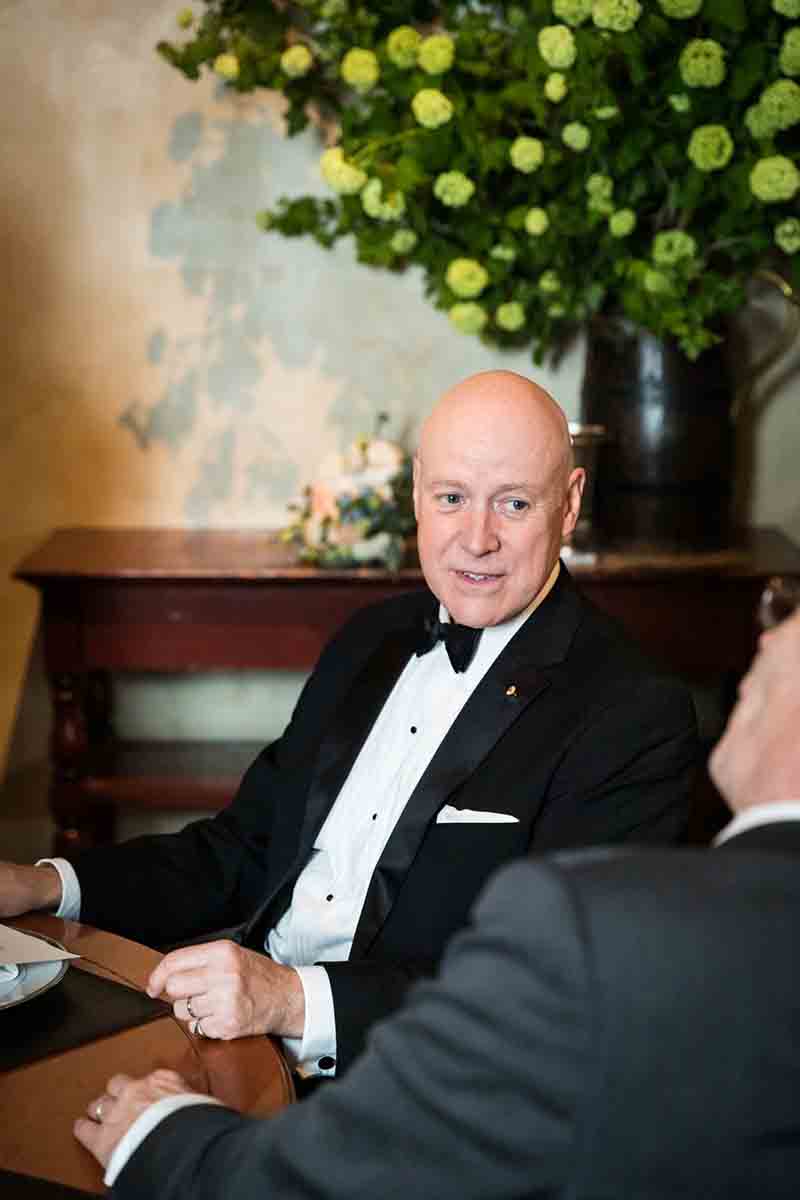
(8, 971)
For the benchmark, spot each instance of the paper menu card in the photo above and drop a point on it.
(19, 947)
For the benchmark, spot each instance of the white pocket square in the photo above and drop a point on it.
(473, 816)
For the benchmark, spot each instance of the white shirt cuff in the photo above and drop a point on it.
(759, 814)
(315, 1052)
(70, 906)
(145, 1124)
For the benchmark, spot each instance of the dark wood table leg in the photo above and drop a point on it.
(79, 823)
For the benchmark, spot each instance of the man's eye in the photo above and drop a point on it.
(514, 506)
(450, 499)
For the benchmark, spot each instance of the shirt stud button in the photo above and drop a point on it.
(329, 896)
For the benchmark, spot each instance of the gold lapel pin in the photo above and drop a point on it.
(511, 691)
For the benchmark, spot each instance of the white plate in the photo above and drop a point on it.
(33, 978)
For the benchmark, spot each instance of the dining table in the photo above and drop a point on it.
(61, 1043)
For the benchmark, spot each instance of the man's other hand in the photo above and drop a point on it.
(27, 889)
(227, 992)
(111, 1115)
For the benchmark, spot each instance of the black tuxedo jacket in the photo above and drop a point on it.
(571, 731)
(611, 1026)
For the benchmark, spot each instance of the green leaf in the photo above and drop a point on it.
(749, 72)
(731, 14)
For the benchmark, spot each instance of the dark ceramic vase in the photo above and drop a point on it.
(664, 478)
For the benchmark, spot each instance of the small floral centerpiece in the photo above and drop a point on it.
(543, 162)
(359, 510)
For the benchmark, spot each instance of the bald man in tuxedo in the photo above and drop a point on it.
(412, 767)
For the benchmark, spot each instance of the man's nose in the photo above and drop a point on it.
(478, 532)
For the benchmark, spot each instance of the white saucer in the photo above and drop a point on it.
(33, 978)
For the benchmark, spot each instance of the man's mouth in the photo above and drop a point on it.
(477, 577)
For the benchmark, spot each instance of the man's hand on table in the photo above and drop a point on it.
(28, 889)
(110, 1116)
(230, 991)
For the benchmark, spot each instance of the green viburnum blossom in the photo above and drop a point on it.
(780, 104)
(619, 16)
(549, 282)
(572, 12)
(670, 246)
(787, 8)
(516, 16)
(339, 174)
(774, 178)
(680, 102)
(557, 46)
(466, 277)
(555, 87)
(227, 66)
(526, 154)
(758, 124)
(680, 10)
(468, 317)
(622, 222)
(360, 69)
(436, 53)
(402, 45)
(787, 235)
(297, 61)
(382, 208)
(332, 9)
(510, 316)
(600, 189)
(185, 18)
(403, 241)
(431, 108)
(702, 63)
(789, 57)
(503, 253)
(601, 186)
(556, 311)
(453, 188)
(577, 136)
(537, 222)
(710, 147)
(657, 283)
(606, 112)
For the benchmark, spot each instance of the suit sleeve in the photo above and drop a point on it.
(472, 1090)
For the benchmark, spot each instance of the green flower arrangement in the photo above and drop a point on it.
(541, 164)
(359, 510)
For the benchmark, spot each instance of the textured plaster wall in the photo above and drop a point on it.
(167, 364)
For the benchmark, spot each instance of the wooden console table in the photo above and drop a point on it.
(116, 600)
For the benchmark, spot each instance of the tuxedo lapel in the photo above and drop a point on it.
(338, 751)
(515, 680)
(350, 730)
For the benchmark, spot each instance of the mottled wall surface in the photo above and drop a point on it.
(165, 362)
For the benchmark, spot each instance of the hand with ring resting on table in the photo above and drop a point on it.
(225, 991)
(111, 1115)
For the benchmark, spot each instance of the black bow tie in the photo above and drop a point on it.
(460, 641)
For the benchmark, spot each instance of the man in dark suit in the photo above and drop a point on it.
(612, 1024)
(360, 839)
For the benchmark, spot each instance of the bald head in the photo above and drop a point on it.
(495, 492)
(494, 405)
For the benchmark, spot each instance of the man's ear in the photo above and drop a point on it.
(572, 502)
